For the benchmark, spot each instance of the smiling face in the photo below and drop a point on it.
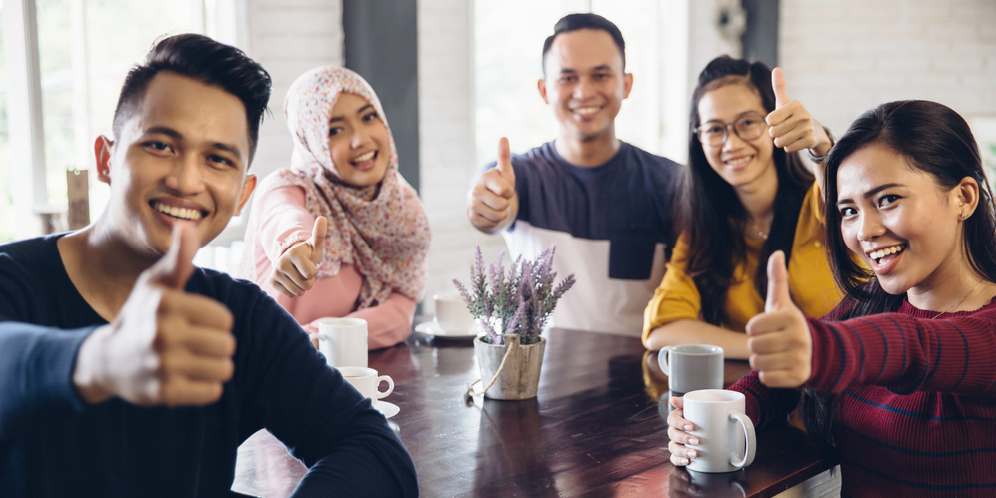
(359, 142)
(585, 83)
(899, 220)
(739, 162)
(182, 155)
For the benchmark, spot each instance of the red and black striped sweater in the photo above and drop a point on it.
(917, 413)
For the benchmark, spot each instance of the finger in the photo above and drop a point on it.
(778, 290)
(505, 161)
(770, 362)
(196, 309)
(678, 402)
(778, 85)
(208, 342)
(175, 267)
(299, 269)
(289, 284)
(780, 378)
(768, 343)
(279, 287)
(499, 185)
(494, 202)
(318, 234)
(181, 391)
(782, 122)
(796, 140)
(196, 367)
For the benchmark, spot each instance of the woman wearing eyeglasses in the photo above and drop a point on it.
(746, 194)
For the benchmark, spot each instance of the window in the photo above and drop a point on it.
(84, 50)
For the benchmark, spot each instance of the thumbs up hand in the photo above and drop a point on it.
(791, 125)
(779, 341)
(165, 347)
(492, 204)
(295, 271)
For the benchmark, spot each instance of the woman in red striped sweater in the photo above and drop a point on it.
(900, 379)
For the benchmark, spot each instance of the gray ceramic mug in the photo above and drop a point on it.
(690, 367)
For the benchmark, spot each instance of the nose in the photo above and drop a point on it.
(869, 228)
(583, 89)
(186, 177)
(359, 138)
(733, 141)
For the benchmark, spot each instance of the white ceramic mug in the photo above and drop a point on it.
(690, 367)
(726, 434)
(366, 381)
(452, 314)
(343, 341)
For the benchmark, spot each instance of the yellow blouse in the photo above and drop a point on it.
(811, 283)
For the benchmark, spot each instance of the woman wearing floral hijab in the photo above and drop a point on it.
(339, 232)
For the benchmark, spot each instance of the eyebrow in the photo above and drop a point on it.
(742, 114)
(600, 67)
(872, 192)
(362, 110)
(175, 135)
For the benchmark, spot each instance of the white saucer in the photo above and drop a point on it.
(388, 409)
(432, 328)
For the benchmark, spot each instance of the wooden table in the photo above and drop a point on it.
(596, 429)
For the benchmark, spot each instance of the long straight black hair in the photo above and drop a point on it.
(711, 213)
(932, 139)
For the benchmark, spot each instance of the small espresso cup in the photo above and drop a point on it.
(366, 381)
(452, 314)
(726, 434)
(343, 341)
(690, 367)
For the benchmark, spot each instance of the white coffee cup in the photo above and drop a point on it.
(366, 381)
(343, 341)
(726, 434)
(452, 314)
(690, 367)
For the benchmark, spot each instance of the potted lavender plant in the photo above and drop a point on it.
(512, 308)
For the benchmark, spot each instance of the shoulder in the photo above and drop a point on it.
(29, 275)
(658, 164)
(32, 257)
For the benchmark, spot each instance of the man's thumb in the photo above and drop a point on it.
(175, 267)
(318, 234)
(778, 85)
(778, 288)
(505, 161)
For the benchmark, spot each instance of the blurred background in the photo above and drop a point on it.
(455, 76)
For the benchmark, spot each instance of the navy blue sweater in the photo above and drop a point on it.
(53, 444)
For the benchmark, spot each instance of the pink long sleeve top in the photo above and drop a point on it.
(284, 221)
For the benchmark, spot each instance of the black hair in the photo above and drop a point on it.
(575, 22)
(210, 62)
(932, 139)
(710, 211)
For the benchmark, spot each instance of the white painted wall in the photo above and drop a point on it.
(844, 57)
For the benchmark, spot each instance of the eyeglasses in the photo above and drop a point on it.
(747, 127)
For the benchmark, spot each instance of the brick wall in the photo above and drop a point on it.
(844, 57)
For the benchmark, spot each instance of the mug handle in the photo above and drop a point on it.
(318, 335)
(390, 387)
(663, 358)
(751, 446)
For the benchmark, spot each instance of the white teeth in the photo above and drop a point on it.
(365, 157)
(586, 110)
(881, 253)
(739, 162)
(182, 213)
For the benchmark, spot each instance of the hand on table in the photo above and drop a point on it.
(677, 432)
(166, 346)
(295, 271)
(492, 203)
(791, 125)
(779, 339)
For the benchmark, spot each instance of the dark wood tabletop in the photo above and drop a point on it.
(597, 428)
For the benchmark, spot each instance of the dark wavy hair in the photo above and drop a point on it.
(203, 59)
(584, 20)
(711, 213)
(932, 139)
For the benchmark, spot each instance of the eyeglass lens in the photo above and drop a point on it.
(715, 133)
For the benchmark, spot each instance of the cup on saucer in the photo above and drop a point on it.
(367, 382)
(452, 316)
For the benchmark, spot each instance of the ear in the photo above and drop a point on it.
(247, 188)
(627, 85)
(102, 149)
(967, 193)
(541, 86)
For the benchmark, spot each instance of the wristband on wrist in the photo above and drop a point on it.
(819, 159)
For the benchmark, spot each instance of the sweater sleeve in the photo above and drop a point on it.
(283, 220)
(904, 353)
(677, 297)
(387, 324)
(36, 363)
(347, 445)
(766, 406)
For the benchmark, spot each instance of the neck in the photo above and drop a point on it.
(588, 152)
(758, 199)
(102, 266)
(954, 286)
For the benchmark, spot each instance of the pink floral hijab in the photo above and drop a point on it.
(381, 230)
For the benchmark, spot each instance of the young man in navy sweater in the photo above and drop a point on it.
(125, 370)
